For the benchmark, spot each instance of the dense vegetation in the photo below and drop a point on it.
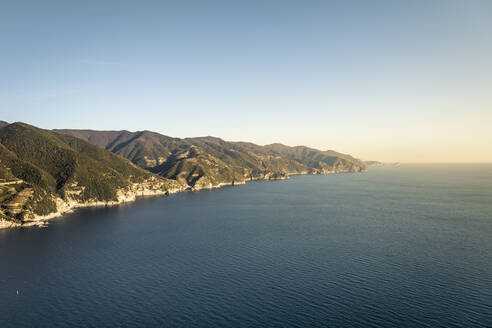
(209, 161)
(37, 166)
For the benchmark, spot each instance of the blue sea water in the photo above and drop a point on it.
(398, 246)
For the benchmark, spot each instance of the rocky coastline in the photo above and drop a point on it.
(143, 190)
(68, 206)
(45, 174)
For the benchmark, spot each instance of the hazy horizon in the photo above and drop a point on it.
(381, 80)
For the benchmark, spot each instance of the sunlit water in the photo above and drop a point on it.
(398, 246)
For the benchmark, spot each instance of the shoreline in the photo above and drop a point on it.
(67, 207)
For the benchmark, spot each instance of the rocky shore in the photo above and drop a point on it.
(64, 207)
(142, 190)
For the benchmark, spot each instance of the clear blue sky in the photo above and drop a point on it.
(389, 80)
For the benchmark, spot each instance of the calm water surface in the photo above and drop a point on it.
(406, 246)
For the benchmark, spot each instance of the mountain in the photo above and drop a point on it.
(44, 173)
(208, 162)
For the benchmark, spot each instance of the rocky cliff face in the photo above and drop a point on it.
(16, 211)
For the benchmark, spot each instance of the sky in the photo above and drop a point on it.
(395, 81)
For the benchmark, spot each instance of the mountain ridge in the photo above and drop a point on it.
(202, 162)
(45, 173)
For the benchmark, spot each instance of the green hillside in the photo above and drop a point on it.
(41, 170)
(39, 166)
(209, 161)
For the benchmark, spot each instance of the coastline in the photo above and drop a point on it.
(66, 207)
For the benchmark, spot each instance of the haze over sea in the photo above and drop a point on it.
(398, 246)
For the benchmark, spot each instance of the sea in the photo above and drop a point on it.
(397, 246)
